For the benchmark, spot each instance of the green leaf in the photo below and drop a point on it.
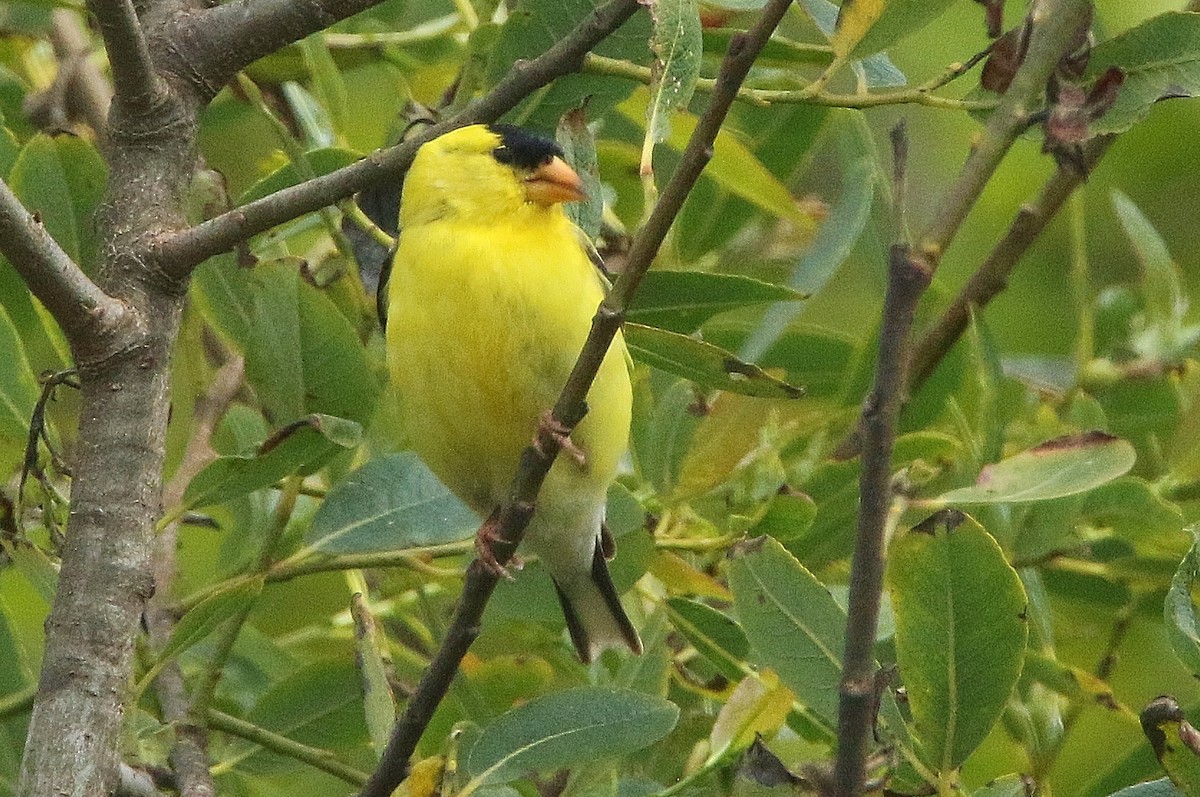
(680, 301)
(1163, 787)
(703, 363)
(737, 169)
(887, 22)
(202, 620)
(579, 148)
(662, 431)
(1159, 333)
(817, 358)
(788, 517)
(565, 728)
(1176, 742)
(374, 665)
(1057, 468)
(960, 635)
(320, 161)
(391, 503)
(534, 26)
(18, 391)
(1160, 59)
(302, 354)
(834, 239)
(1179, 611)
(309, 440)
(319, 704)
(715, 636)
(36, 565)
(1007, 786)
(326, 83)
(61, 179)
(678, 49)
(794, 625)
(757, 706)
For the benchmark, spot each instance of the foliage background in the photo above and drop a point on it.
(310, 346)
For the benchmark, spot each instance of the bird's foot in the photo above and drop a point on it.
(486, 540)
(552, 431)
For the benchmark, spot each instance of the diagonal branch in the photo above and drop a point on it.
(181, 253)
(1055, 25)
(570, 408)
(137, 87)
(992, 276)
(79, 307)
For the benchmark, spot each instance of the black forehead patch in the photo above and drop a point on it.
(521, 148)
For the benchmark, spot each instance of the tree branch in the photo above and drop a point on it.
(182, 252)
(1055, 24)
(211, 45)
(908, 278)
(138, 89)
(570, 408)
(992, 275)
(77, 304)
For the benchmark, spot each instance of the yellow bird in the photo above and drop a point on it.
(489, 302)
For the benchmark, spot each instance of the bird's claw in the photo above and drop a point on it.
(485, 546)
(551, 430)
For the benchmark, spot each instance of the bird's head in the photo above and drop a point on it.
(484, 172)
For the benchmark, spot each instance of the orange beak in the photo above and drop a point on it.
(554, 181)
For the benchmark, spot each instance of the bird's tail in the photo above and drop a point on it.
(595, 618)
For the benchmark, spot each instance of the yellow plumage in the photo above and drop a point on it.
(490, 300)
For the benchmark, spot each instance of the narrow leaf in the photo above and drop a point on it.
(1179, 611)
(960, 635)
(565, 728)
(897, 20)
(309, 440)
(794, 625)
(390, 503)
(680, 301)
(703, 363)
(715, 636)
(678, 48)
(855, 19)
(202, 620)
(579, 147)
(374, 663)
(1057, 468)
(1160, 59)
(61, 179)
(320, 161)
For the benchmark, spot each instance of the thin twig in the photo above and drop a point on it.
(908, 277)
(1055, 25)
(762, 97)
(992, 275)
(570, 408)
(182, 252)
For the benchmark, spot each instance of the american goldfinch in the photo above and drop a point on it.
(489, 302)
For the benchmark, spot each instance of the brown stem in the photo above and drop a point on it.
(512, 518)
(908, 277)
(992, 275)
(1055, 25)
